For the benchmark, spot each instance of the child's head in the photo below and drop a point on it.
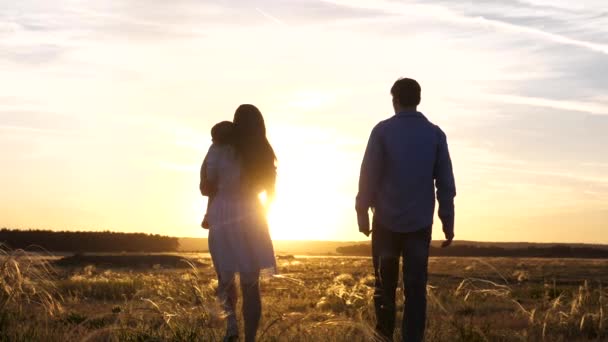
(222, 132)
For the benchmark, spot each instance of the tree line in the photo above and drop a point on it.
(555, 251)
(81, 241)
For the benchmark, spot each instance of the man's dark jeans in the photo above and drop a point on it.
(387, 248)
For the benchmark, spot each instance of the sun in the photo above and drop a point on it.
(308, 205)
(294, 213)
(317, 173)
(298, 215)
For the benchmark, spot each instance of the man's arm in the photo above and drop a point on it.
(369, 180)
(446, 188)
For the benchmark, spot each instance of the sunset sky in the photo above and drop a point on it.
(106, 107)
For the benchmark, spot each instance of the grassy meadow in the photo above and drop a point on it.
(313, 299)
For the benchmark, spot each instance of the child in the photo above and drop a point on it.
(221, 134)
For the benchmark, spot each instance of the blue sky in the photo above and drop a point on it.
(106, 107)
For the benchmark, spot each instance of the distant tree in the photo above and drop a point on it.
(361, 249)
(470, 250)
(78, 241)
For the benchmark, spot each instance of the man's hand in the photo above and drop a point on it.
(449, 237)
(363, 222)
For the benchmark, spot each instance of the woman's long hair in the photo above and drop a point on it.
(257, 158)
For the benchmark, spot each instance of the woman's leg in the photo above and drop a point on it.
(252, 304)
(227, 295)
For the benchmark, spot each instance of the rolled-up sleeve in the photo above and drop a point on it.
(369, 178)
(445, 184)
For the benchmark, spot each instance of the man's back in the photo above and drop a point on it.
(404, 157)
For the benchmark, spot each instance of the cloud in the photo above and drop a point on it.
(545, 173)
(595, 165)
(32, 54)
(16, 114)
(548, 36)
(568, 5)
(567, 105)
(270, 16)
(33, 130)
(445, 14)
(137, 24)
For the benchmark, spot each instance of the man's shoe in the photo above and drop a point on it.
(231, 338)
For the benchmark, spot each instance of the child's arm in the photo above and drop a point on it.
(204, 184)
(209, 172)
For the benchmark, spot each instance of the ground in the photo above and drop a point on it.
(312, 299)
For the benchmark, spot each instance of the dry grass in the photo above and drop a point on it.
(320, 299)
(26, 280)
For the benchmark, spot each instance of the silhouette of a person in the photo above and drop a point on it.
(235, 174)
(406, 158)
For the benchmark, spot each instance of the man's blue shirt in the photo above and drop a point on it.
(406, 158)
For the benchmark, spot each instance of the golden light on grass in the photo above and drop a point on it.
(315, 299)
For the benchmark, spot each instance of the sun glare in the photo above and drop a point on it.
(313, 172)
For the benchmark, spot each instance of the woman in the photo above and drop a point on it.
(239, 241)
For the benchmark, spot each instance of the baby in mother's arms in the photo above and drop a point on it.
(239, 165)
(221, 134)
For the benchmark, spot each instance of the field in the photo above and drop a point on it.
(313, 299)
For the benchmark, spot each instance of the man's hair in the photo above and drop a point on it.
(406, 91)
(223, 132)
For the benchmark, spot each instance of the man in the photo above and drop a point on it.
(406, 158)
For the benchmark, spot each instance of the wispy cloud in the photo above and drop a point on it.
(577, 106)
(444, 14)
(135, 23)
(270, 16)
(548, 36)
(568, 5)
(34, 130)
(546, 173)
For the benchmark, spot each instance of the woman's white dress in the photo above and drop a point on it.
(239, 241)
